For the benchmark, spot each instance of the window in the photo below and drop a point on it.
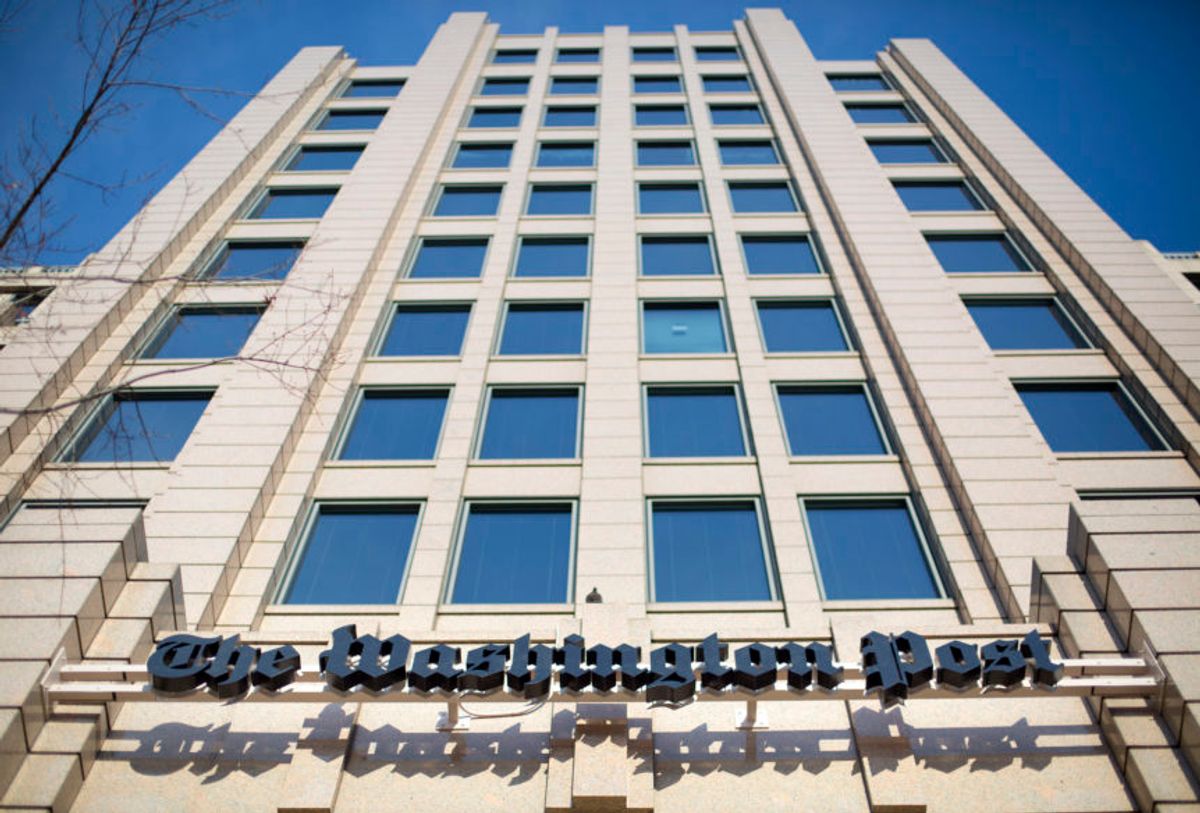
(779, 254)
(482, 156)
(758, 196)
(657, 84)
(287, 204)
(324, 159)
(909, 151)
(879, 114)
(351, 119)
(851, 82)
(727, 84)
(670, 198)
(253, 261)
(138, 426)
(552, 257)
(504, 87)
(717, 53)
(665, 154)
(659, 115)
(395, 425)
(560, 199)
(517, 553)
(1025, 324)
(484, 117)
(426, 330)
(747, 152)
(570, 117)
(515, 56)
(18, 304)
(801, 327)
(708, 551)
(531, 424)
(373, 89)
(203, 332)
(542, 329)
(578, 55)
(868, 550)
(937, 196)
(574, 86)
(976, 253)
(654, 55)
(567, 154)
(683, 327)
(468, 201)
(1088, 417)
(735, 114)
(830, 420)
(354, 554)
(440, 258)
(694, 422)
(676, 256)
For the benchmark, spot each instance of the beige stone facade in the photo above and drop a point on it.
(1097, 549)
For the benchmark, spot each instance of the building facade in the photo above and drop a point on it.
(639, 337)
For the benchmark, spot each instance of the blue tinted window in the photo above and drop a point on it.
(578, 55)
(426, 330)
(800, 327)
(351, 120)
(937, 196)
(560, 199)
(657, 84)
(668, 256)
(914, 151)
(775, 196)
(440, 258)
(482, 156)
(748, 152)
(201, 333)
(574, 85)
(782, 254)
(834, 420)
(468, 201)
(727, 84)
(532, 329)
(283, 204)
(1087, 418)
(725, 114)
(354, 555)
(317, 159)
(514, 554)
(567, 154)
(504, 87)
(253, 261)
(717, 53)
(665, 153)
(670, 198)
(683, 327)
(879, 114)
(653, 54)
(708, 552)
(395, 425)
(552, 257)
(373, 89)
(135, 426)
(844, 82)
(495, 117)
(533, 423)
(570, 117)
(660, 115)
(869, 550)
(976, 253)
(514, 57)
(1024, 324)
(693, 422)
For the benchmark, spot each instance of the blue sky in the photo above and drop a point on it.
(1106, 88)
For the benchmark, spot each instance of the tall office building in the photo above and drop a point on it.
(636, 337)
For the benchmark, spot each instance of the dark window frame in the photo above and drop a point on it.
(502, 325)
(748, 451)
(882, 428)
(832, 301)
